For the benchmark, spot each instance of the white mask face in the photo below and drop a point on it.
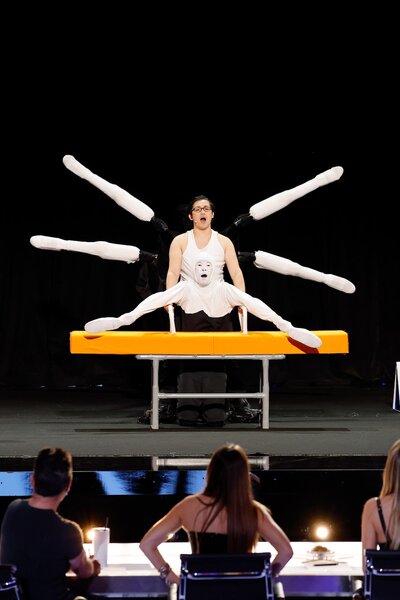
(203, 269)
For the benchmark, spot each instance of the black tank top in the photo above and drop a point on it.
(385, 545)
(203, 542)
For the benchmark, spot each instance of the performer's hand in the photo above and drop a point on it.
(147, 256)
(242, 220)
(246, 257)
(167, 306)
(159, 224)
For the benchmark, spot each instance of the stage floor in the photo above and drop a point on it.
(305, 422)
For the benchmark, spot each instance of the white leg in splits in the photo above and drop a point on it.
(261, 310)
(173, 295)
(182, 292)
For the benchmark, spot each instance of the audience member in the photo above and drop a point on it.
(223, 518)
(380, 521)
(42, 544)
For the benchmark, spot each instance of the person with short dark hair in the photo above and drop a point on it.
(223, 518)
(41, 543)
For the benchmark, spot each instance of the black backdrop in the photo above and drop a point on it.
(230, 105)
(347, 228)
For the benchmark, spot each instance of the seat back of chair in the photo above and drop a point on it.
(226, 576)
(382, 575)
(9, 587)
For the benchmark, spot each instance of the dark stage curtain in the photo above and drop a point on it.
(346, 228)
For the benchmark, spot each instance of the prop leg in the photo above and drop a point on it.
(271, 262)
(129, 254)
(278, 201)
(121, 197)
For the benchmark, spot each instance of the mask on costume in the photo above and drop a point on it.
(203, 268)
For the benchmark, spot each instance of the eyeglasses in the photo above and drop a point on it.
(200, 208)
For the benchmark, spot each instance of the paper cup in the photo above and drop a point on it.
(101, 540)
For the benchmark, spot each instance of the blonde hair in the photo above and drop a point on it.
(391, 485)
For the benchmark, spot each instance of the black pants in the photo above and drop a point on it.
(203, 375)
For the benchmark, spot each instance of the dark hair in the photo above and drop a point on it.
(189, 207)
(229, 484)
(52, 471)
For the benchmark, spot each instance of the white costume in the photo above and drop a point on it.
(210, 293)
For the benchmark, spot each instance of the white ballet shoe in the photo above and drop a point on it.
(330, 175)
(340, 283)
(304, 336)
(73, 165)
(121, 197)
(103, 324)
(45, 242)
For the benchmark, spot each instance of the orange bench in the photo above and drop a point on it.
(162, 345)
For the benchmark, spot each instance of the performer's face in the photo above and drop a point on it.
(202, 213)
(203, 269)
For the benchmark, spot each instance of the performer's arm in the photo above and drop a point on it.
(175, 261)
(232, 264)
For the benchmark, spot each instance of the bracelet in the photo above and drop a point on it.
(164, 571)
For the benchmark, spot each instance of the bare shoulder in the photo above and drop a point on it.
(369, 505)
(189, 503)
(224, 241)
(179, 240)
(264, 510)
(188, 500)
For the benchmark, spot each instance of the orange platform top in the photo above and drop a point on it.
(207, 343)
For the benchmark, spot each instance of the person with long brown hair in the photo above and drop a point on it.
(223, 518)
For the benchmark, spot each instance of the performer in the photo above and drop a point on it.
(260, 259)
(202, 254)
(197, 260)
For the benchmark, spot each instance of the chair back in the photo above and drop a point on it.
(9, 587)
(226, 576)
(382, 575)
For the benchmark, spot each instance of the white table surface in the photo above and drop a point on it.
(130, 573)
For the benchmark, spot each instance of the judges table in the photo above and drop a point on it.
(129, 574)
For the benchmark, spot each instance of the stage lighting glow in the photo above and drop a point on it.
(322, 532)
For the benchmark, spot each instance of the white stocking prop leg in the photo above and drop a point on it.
(278, 201)
(263, 311)
(158, 300)
(129, 254)
(271, 262)
(121, 197)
